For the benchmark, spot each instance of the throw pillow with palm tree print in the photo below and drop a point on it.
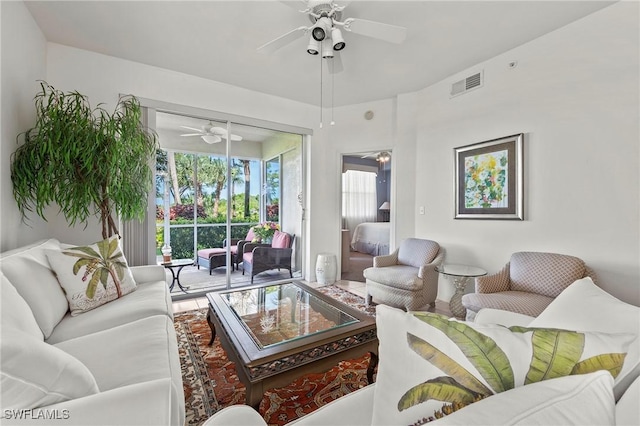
(92, 275)
(431, 365)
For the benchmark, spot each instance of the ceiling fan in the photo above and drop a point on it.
(326, 36)
(210, 133)
(380, 156)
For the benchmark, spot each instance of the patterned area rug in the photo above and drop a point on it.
(210, 381)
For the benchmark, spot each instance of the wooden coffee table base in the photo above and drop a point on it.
(279, 372)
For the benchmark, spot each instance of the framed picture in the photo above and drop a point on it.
(489, 179)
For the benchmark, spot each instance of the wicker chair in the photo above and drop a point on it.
(527, 284)
(211, 258)
(257, 258)
(405, 278)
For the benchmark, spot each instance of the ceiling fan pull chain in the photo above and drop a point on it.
(332, 93)
(320, 91)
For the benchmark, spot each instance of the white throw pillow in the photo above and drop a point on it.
(15, 311)
(583, 306)
(28, 270)
(428, 360)
(35, 374)
(92, 275)
(580, 400)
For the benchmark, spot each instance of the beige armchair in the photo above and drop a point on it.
(406, 278)
(527, 284)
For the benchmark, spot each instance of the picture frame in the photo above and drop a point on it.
(489, 179)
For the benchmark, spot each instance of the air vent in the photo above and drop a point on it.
(463, 86)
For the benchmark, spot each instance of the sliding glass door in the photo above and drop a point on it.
(214, 182)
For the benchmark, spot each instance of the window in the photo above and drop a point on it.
(359, 198)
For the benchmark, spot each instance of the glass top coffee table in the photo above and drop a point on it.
(277, 333)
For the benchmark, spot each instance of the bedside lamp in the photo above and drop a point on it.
(385, 207)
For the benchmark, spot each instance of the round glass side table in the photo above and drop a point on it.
(460, 275)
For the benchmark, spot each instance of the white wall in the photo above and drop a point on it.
(574, 93)
(23, 63)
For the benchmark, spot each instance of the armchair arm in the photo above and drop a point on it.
(431, 267)
(271, 255)
(249, 246)
(494, 283)
(234, 241)
(386, 260)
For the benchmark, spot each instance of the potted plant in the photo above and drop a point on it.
(87, 161)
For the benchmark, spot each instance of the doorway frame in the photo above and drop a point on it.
(151, 106)
(392, 198)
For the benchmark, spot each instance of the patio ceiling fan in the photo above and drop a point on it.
(326, 35)
(210, 133)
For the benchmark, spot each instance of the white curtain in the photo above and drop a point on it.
(358, 198)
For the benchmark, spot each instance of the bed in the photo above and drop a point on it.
(371, 238)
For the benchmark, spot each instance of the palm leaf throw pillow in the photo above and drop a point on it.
(431, 365)
(92, 275)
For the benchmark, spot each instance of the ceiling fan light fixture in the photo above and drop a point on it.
(338, 41)
(321, 28)
(314, 46)
(327, 49)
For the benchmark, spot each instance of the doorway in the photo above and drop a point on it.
(366, 207)
(215, 181)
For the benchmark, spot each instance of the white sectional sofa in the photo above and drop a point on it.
(581, 399)
(116, 364)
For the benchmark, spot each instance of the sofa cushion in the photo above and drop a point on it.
(35, 374)
(579, 400)
(92, 275)
(149, 299)
(281, 240)
(399, 276)
(531, 304)
(139, 351)
(583, 306)
(627, 412)
(15, 311)
(28, 270)
(136, 352)
(425, 356)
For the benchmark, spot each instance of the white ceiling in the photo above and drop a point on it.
(217, 40)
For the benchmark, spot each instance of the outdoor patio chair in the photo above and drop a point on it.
(212, 258)
(257, 258)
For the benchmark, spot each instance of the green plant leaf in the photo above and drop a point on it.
(93, 284)
(80, 263)
(441, 389)
(612, 362)
(441, 360)
(482, 351)
(91, 253)
(104, 277)
(555, 353)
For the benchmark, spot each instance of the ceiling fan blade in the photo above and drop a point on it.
(236, 138)
(335, 64)
(211, 139)
(192, 134)
(298, 5)
(386, 32)
(192, 128)
(283, 40)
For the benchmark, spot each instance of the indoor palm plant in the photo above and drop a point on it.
(87, 161)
